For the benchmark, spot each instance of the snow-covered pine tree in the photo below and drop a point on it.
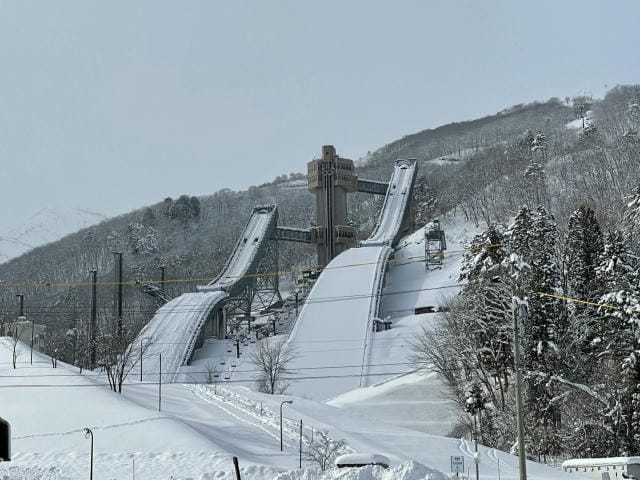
(618, 342)
(484, 256)
(631, 218)
(583, 247)
(535, 180)
(488, 303)
(533, 238)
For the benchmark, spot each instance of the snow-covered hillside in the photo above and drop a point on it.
(199, 428)
(44, 226)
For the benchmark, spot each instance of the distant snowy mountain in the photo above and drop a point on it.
(46, 225)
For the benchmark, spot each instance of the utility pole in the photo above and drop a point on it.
(476, 459)
(22, 317)
(160, 385)
(300, 466)
(119, 320)
(522, 313)
(94, 319)
(21, 308)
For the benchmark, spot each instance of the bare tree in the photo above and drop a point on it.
(323, 450)
(117, 357)
(272, 357)
(15, 350)
(213, 375)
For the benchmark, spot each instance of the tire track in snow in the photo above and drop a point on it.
(217, 403)
(492, 453)
(79, 430)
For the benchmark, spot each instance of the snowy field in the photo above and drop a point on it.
(403, 414)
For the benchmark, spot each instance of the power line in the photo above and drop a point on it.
(92, 375)
(225, 381)
(206, 280)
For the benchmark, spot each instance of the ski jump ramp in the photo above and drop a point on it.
(332, 334)
(176, 326)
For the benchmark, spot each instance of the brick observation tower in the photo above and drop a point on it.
(330, 178)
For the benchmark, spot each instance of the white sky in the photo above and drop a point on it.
(115, 105)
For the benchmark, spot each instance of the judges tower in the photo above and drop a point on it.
(330, 178)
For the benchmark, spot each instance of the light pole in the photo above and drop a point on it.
(297, 292)
(160, 384)
(141, 340)
(89, 434)
(289, 402)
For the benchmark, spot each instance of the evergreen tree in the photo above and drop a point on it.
(535, 178)
(631, 218)
(618, 341)
(534, 237)
(583, 247)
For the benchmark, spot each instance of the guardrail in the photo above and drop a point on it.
(374, 303)
(194, 332)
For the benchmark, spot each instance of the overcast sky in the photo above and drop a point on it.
(114, 105)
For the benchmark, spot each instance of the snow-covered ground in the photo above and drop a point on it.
(199, 428)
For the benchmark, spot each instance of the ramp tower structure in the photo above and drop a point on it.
(330, 178)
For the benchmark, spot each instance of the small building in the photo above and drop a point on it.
(22, 330)
(610, 468)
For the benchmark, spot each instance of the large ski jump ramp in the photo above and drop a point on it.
(174, 329)
(332, 334)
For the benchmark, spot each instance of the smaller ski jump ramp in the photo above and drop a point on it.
(174, 329)
(172, 333)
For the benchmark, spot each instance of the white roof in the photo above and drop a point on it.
(362, 459)
(593, 462)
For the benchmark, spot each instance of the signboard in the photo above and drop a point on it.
(457, 464)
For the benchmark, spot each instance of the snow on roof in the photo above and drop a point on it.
(594, 462)
(362, 459)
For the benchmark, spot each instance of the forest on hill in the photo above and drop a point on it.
(559, 257)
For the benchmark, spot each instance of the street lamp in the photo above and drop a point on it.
(289, 402)
(89, 434)
(297, 292)
(141, 340)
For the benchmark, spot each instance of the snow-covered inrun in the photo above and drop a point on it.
(396, 202)
(247, 248)
(340, 310)
(336, 317)
(168, 340)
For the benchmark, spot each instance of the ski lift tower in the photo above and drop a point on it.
(434, 244)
